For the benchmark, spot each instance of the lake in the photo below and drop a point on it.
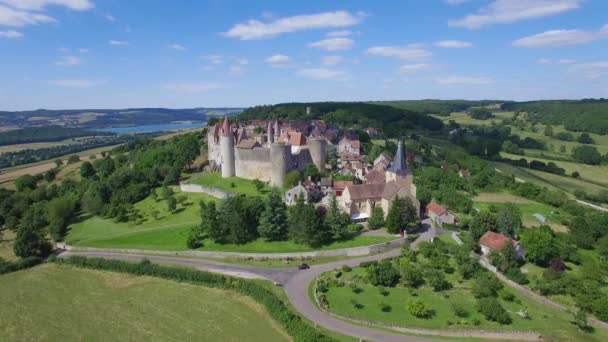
(153, 128)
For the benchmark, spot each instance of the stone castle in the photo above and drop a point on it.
(248, 152)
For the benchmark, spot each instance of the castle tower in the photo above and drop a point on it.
(269, 132)
(279, 157)
(318, 152)
(277, 131)
(227, 150)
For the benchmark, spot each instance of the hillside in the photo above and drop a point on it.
(40, 134)
(389, 119)
(588, 115)
(439, 107)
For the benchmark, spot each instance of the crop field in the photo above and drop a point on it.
(87, 305)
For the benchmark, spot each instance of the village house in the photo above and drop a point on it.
(491, 241)
(292, 195)
(439, 214)
(348, 146)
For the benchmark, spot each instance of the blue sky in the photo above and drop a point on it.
(152, 53)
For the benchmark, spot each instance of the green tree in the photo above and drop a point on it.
(549, 131)
(60, 212)
(87, 170)
(540, 245)
(30, 243)
(491, 309)
(305, 224)
(273, 221)
(312, 172)
(436, 279)
(482, 222)
(74, 158)
(410, 272)
(419, 309)
(336, 221)
(208, 225)
(171, 204)
(376, 221)
(58, 162)
(585, 138)
(292, 178)
(400, 215)
(580, 319)
(259, 185)
(508, 220)
(384, 274)
(25, 182)
(587, 154)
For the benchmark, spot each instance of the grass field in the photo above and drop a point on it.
(464, 119)
(241, 185)
(6, 245)
(61, 303)
(90, 229)
(552, 324)
(527, 208)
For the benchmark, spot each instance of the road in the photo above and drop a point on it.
(295, 283)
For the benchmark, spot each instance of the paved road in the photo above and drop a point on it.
(295, 282)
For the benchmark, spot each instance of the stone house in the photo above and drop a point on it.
(439, 214)
(491, 241)
(292, 195)
(348, 146)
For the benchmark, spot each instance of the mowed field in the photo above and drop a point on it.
(6, 245)
(63, 303)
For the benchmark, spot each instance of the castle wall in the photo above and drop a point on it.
(213, 149)
(253, 163)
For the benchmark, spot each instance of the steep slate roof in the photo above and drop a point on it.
(390, 189)
(399, 165)
(436, 208)
(495, 241)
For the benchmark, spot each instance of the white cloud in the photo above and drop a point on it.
(11, 34)
(453, 44)
(214, 59)
(118, 42)
(333, 44)
(413, 52)
(463, 80)
(82, 83)
(68, 60)
(255, 29)
(83, 50)
(331, 60)
(558, 61)
(278, 60)
(456, 2)
(242, 61)
(110, 17)
(37, 5)
(591, 70)
(340, 33)
(177, 47)
(197, 87)
(411, 68)
(544, 61)
(322, 74)
(556, 38)
(236, 69)
(509, 11)
(13, 17)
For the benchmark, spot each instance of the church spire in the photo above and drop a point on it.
(399, 165)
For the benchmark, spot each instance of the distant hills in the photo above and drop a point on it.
(99, 118)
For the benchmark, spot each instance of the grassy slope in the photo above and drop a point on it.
(548, 322)
(87, 305)
(170, 232)
(241, 185)
(6, 245)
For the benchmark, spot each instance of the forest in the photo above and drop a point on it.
(587, 115)
(437, 107)
(44, 134)
(390, 120)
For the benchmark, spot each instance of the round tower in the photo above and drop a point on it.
(318, 152)
(227, 150)
(270, 134)
(279, 157)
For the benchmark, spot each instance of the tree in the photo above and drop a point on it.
(273, 221)
(587, 154)
(384, 274)
(584, 138)
(548, 131)
(336, 221)
(508, 220)
(29, 243)
(312, 172)
(306, 225)
(74, 158)
(60, 211)
(584, 232)
(166, 192)
(540, 245)
(410, 272)
(58, 162)
(208, 214)
(25, 182)
(401, 213)
(491, 309)
(292, 178)
(484, 221)
(105, 167)
(562, 149)
(87, 170)
(580, 319)
(376, 221)
(602, 247)
(259, 185)
(419, 309)
(576, 174)
(171, 204)
(436, 279)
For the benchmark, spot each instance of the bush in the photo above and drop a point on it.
(354, 228)
(346, 268)
(20, 264)
(419, 309)
(491, 309)
(299, 329)
(459, 310)
(509, 297)
(384, 307)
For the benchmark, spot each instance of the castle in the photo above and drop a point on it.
(248, 152)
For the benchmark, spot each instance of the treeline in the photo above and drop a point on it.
(438, 107)
(242, 219)
(44, 134)
(390, 120)
(27, 156)
(109, 187)
(587, 115)
(295, 326)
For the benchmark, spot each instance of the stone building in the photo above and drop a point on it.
(235, 150)
(349, 147)
(359, 200)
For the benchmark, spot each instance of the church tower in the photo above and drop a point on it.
(227, 150)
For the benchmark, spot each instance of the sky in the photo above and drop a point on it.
(61, 54)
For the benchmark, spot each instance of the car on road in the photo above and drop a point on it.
(303, 267)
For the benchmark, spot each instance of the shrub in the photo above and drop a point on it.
(346, 268)
(356, 289)
(354, 228)
(299, 329)
(338, 274)
(20, 264)
(515, 274)
(383, 291)
(459, 310)
(509, 297)
(356, 304)
(384, 307)
(419, 309)
(491, 309)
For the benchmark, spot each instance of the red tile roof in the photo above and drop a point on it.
(297, 139)
(436, 208)
(495, 241)
(353, 143)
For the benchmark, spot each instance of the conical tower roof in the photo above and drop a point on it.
(226, 127)
(399, 165)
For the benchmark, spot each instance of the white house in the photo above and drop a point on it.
(439, 214)
(347, 146)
